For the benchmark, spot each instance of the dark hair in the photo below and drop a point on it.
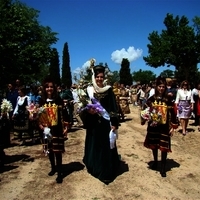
(22, 89)
(185, 83)
(160, 80)
(46, 81)
(98, 69)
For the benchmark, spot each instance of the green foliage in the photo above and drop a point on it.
(54, 69)
(178, 46)
(124, 73)
(144, 77)
(25, 45)
(66, 70)
(115, 77)
(167, 73)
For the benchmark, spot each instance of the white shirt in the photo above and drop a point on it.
(151, 92)
(20, 101)
(195, 91)
(184, 95)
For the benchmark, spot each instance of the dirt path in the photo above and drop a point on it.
(25, 177)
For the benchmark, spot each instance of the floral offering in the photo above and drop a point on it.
(153, 115)
(95, 104)
(43, 116)
(33, 110)
(6, 106)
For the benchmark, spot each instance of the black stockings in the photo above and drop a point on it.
(58, 157)
(163, 161)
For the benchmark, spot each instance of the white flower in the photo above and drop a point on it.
(6, 106)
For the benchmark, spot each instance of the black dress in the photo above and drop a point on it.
(101, 161)
(57, 143)
(21, 121)
(158, 136)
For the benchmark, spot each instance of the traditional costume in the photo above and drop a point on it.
(100, 159)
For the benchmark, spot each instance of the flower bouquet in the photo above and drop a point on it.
(153, 115)
(33, 110)
(43, 116)
(6, 107)
(97, 107)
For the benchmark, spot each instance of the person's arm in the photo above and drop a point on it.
(16, 107)
(177, 98)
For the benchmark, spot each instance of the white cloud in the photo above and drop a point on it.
(83, 68)
(131, 54)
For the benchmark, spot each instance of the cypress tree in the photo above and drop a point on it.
(66, 70)
(54, 69)
(124, 73)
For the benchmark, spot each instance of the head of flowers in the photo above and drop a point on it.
(33, 110)
(152, 114)
(6, 106)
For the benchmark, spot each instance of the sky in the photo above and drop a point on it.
(109, 30)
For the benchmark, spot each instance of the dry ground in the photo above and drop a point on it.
(25, 176)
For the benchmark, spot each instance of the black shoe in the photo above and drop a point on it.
(52, 172)
(59, 179)
(163, 174)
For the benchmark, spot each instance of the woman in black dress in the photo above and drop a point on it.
(21, 116)
(100, 158)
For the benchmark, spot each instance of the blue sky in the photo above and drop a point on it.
(109, 30)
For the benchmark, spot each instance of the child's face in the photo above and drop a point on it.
(49, 89)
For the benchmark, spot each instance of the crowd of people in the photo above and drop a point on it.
(48, 112)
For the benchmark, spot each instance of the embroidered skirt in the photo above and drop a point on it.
(184, 109)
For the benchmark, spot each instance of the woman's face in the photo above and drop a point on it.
(161, 88)
(99, 79)
(49, 89)
(185, 85)
(21, 94)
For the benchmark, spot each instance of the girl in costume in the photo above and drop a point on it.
(52, 125)
(161, 124)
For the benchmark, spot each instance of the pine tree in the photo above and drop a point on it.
(66, 70)
(54, 69)
(124, 73)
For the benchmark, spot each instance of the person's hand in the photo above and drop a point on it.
(171, 132)
(42, 126)
(113, 128)
(92, 111)
(65, 131)
(170, 94)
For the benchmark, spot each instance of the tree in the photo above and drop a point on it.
(167, 73)
(144, 77)
(124, 73)
(66, 70)
(178, 46)
(25, 45)
(115, 77)
(54, 69)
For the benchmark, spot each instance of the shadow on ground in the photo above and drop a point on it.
(170, 164)
(72, 167)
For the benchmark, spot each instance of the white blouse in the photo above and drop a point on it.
(184, 95)
(20, 101)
